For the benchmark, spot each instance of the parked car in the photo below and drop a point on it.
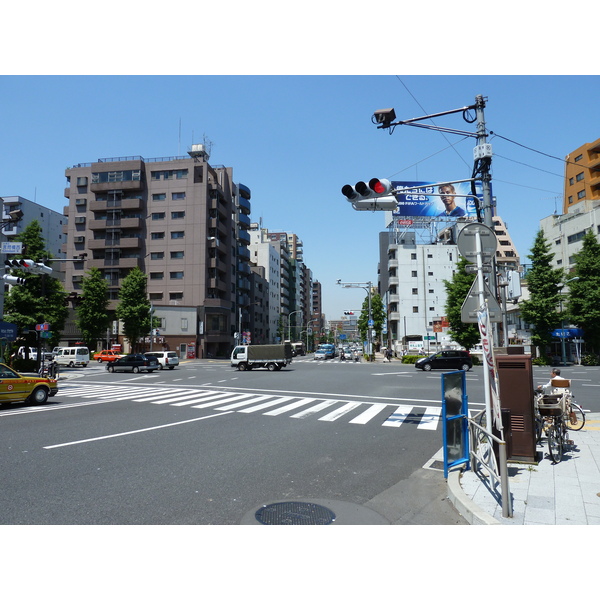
(15, 387)
(320, 355)
(166, 360)
(107, 356)
(446, 359)
(134, 363)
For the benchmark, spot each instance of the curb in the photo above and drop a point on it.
(471, 512)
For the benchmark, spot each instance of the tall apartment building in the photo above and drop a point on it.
(582, 176)
(411, 282)
(180, 220)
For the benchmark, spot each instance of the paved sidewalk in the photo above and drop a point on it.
(567, 493)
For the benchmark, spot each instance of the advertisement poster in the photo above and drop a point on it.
(428, 199)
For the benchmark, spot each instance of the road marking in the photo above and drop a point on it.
(336, 414)
(114, 435)
(369, 414)
(398, 417)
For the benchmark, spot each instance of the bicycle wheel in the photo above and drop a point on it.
(555, 444)
(576, 418)
(539, 429)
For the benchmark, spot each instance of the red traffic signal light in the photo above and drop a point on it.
(348, 312)
(375, 188)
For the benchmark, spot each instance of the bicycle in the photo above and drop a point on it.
(553, 425)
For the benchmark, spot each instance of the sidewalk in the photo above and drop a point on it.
(567, 493)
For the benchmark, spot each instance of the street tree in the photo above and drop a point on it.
(133, 308)
(92, 315)
(377, 314)
(543, 282)
(584, 293)
(465, 334)
(41, 299)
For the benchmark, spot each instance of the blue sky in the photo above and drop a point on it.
(295, 140)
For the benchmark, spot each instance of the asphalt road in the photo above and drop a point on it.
(206, 444)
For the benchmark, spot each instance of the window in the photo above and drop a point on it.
(430, 291)
(176, 274)
(415, 309)
(578, 158)
(581, 194)
(175, 295)
(576, 237)
(184, 324)
(432, 308)
(180, 214)
(177, 235)
(158, 216)
(178, 196)
(157, 255)
(413, 274)
(156, 295)
(571, 181)
(157, 275)
(413, 256)
(157, 235)
(159, 196)
(579, 176)
(177, 254)
(415, 291)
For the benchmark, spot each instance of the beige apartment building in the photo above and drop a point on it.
(184, 223)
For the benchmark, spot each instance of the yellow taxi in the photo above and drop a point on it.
(16, 387)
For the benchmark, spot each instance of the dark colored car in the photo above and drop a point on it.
(451, 360)
(134, 363)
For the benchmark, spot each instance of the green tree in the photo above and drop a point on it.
(377, 314)
(465, 334)
(543, 282)
(41, 299)
(92, 316)
(133, 308)
(584, 293)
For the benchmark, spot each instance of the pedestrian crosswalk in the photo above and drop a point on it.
(357, 412)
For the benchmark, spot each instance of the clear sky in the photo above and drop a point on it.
(295, 136)
(295, 140)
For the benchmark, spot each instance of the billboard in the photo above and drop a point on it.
(429, 199)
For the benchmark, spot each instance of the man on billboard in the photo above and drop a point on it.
(448, 195)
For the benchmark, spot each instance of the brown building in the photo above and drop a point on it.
(582, 176)
(180, 220)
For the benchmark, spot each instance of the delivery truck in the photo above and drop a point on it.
(269, 356)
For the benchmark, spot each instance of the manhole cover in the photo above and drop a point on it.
(294, 513)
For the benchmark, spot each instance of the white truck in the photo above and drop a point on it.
(270, 356)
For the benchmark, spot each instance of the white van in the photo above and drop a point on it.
(71, 356)
(166, 360)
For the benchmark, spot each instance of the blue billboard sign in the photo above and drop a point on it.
(429, 199)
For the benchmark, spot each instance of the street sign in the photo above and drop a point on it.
(371, 323)
(8, 331)
(467, 242)
(45, 334)
(468, 312)
(42, 327)
(12, 247)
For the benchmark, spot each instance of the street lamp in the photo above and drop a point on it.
(240, 338)
(365, 286)
(563, 349)
(290, 323)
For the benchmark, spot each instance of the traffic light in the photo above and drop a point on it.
(26, 264)
(348, 312)
(14, 280)
(362, 191)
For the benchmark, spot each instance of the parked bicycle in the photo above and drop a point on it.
(555, 415)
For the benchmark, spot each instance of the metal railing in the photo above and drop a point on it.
(482, 457)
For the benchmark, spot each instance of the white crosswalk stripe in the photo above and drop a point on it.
(361, 413)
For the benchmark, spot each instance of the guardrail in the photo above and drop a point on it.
(482, 457)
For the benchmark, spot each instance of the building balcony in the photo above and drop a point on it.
(121, 263)
(116, 185)
(124, 204)
(393, 280)
(394, 316)
(122, 223)
(134, 242)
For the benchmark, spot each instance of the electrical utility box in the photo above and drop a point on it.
(515, 380)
